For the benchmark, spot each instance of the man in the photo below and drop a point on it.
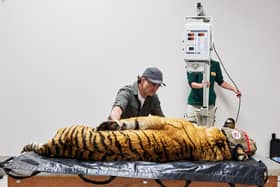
(195, 98)
(140, 98)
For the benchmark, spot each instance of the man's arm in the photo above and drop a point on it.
(200, 85)
(121, 102)
(116, 113)
(230, 87)
(113, 120)
(156, 110)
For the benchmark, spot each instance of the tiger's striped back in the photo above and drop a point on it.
(173, 139)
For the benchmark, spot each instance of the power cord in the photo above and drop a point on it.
(228, 75)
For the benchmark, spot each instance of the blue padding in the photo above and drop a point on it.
(250, 172)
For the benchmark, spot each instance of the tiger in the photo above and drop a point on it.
(149, 138)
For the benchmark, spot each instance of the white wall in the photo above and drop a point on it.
(62, 61)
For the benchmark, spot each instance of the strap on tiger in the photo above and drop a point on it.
(18, 176)
(265, 171)
(2, 166)
(5, 161)
(14, 174)
(159, 182)
(111, 178)
(188, 182)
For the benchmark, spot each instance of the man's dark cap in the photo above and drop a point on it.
(154, 75)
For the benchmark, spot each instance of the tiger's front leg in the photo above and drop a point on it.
(134, 123)
(114, 125)
(109, 125)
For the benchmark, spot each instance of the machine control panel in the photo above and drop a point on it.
(197, 40)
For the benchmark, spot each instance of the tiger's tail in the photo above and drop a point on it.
(37, 148)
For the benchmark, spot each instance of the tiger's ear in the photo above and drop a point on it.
(230, 123)
(108, 125)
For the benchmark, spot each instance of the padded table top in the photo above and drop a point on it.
(251, 172)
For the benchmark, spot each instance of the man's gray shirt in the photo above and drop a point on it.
(127, 100)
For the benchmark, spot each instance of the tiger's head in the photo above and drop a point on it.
(241, 145)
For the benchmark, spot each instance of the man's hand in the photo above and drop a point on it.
(238, 93)
(205, 83)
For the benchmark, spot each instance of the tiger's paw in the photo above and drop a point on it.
(109, 125)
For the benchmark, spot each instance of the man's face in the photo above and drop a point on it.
(149, 88)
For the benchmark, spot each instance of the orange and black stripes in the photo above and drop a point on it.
(159, 141)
